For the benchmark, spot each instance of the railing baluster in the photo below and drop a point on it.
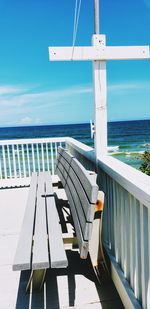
(33, 158)
(122, 228)
(144, 253)
(28, 160)
(1, 169)
(127, 236)
(47, 157)
(137, 275)
(18, 160)
(43, 165)
(9, 163)
(23, 158)
(38, 161)
(4, 162)
(14, 160)
(132, 240)
(115, 217)
(52, 158)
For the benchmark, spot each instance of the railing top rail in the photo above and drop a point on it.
(132, 180)
(32, 141)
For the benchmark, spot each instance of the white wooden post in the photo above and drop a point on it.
(99, 76)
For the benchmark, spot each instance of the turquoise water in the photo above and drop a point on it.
(129, 138)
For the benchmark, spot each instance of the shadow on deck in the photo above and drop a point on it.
(75, 286)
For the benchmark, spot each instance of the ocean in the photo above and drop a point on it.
(127, 140)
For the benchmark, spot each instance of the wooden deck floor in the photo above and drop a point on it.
(74, 287)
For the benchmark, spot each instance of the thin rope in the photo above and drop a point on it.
(76, 20)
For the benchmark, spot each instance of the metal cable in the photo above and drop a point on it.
(76, 20)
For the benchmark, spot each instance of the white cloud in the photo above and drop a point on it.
(10, 90)
(129, 86)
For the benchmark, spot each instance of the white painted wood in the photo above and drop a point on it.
(137, 274)
(83, 245)
(134, 181)
(14, 160)
(88, 208)
(88, 183)
(23, 159)
(22, 258)
(1, 176)
(9, 162)
(47, 179)
(132, 241)
(144, 254)
(40, 258)
(4, 161)
(127, 236)
(38, 160)
(102, 53)
(122, 224)
(86, 227)
(43, 161)
(52, 159)
(126, 294)
(18, 156)
(47, 157)
(33, 141)
(28, 160)
(33, 158)
(99, 79)
(58, 258)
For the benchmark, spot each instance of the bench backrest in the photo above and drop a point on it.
(82, 192)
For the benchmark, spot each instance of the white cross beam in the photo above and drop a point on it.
(99, 53)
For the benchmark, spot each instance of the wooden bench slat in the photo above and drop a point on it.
(48, 183)
(62, 168)
(22, 258)
(86, 227)
(83, 245)
(88, 208)
(40, 246)
(89, 184)
(58, 258)
(60, 174)
(66, 155)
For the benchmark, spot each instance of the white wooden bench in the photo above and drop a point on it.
(82, 193)
(40, 244)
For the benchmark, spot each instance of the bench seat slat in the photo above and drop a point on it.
(58, 258)
(22, 260)
(48, 183)
(40, 248)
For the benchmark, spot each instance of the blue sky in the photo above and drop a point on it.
(36, 91)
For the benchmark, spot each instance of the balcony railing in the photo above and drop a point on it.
(19, 158)
(126, 224)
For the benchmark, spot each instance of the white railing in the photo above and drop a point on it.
(126, 224)
(19, 158)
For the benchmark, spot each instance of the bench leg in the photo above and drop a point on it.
(96, 249)
(36, 280)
